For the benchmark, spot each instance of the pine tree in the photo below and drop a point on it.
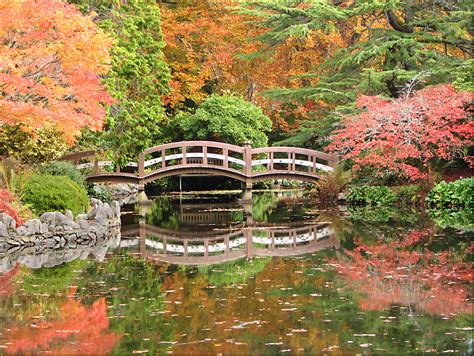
(393, 47)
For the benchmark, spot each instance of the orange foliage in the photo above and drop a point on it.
(203, 44)
(79, 330)
(396, 273)
(6, 200)
(51, 57)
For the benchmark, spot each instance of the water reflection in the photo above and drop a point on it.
(389, 283)
(222, 246)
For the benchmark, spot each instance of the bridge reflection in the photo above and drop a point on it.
(155, 243)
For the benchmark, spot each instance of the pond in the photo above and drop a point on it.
(206, 274)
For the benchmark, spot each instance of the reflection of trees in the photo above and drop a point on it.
(132, 288)
(77, 329)
(6, 281)
(163, 214)
(233, 272)
(405, 273)
(58, 278)
(273, 208)
(458, 219)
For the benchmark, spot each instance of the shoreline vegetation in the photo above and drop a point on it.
(115, 77)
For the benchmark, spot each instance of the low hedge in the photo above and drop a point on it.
(458, 194)
(367, 195)
(45, 192)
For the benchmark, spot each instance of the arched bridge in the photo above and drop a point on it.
(245, 164)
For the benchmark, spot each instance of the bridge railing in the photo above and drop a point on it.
(245, 162)
(278, 159)
(184, 153)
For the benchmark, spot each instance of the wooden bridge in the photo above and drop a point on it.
(245, 164)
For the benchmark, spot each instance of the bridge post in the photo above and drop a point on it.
(247, 191)
(141, 171)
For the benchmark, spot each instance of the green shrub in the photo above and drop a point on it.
(54, 193)
(370, 195)
(407, 194)
(62, 168)
(457, 194)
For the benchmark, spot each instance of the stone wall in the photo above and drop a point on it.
(56, 229)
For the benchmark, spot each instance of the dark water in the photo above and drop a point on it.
(195, 275)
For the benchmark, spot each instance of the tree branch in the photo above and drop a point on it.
(396, 23)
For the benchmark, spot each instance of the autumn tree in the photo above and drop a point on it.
(50, 61)
(392, 48)
(406, 135)
(209, 51)
(138, 77)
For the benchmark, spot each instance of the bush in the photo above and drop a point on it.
(54, 193)
(370, 195)
(98, 192)
(226, 118)
(62, 168)
(331, 185)
(32, 146)
(407, 194)
(457, 194)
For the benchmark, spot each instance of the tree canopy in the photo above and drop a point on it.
(228, 119)
(51, 60)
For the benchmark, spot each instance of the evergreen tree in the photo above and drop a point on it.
(138, 77)
(394, 47)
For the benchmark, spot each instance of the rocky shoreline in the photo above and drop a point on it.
(55, 230)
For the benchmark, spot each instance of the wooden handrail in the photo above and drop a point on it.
(180, 144)
(189, 157)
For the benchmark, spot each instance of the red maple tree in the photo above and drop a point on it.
(405, 135)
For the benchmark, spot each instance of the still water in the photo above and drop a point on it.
(205, 274)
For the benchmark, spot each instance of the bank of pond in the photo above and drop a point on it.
(202, 273)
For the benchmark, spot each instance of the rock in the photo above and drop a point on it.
(108, 210)
(8, 221)
(14, 242)
(48, 217)
(32, 227)
(3, 230)
(81, 217)
(115, 206)
(69, 216)
(58, 230)
(341, 197)
(83, 224)
(60, 218)
(101, 216)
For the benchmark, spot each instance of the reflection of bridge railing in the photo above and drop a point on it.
(217, 246)
(207, 157)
